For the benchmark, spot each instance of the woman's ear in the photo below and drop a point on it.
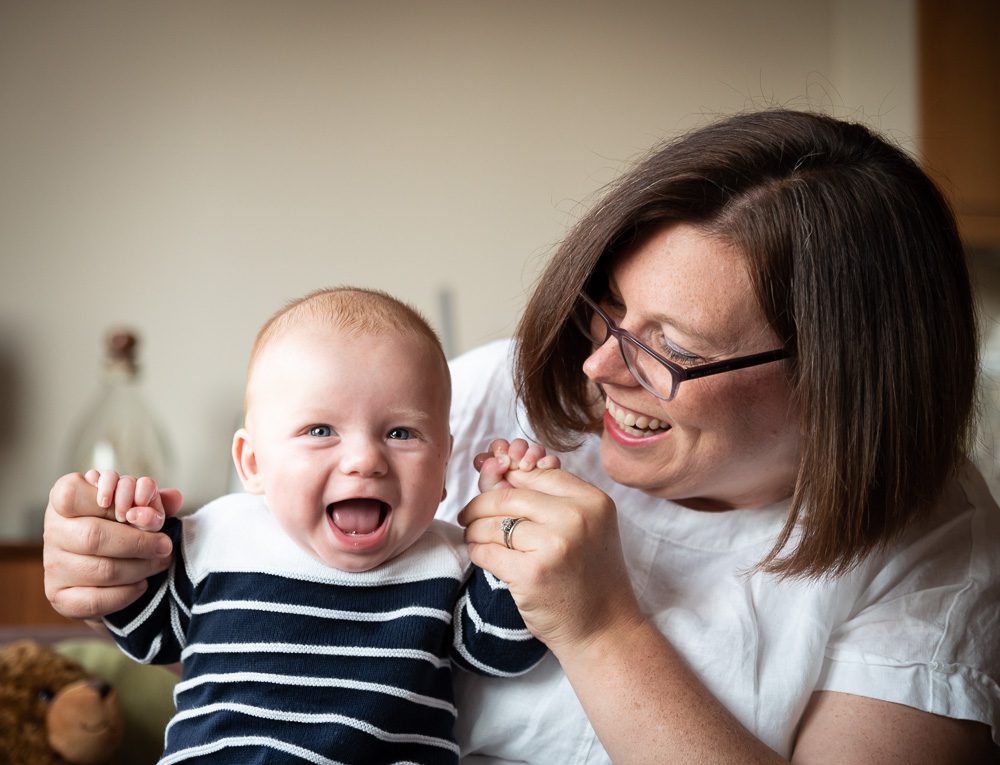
(246, 462)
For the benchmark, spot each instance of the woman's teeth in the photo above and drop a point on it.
(634, 425)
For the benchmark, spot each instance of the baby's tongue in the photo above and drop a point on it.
(357, 516)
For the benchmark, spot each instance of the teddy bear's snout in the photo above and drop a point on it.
(84, 722)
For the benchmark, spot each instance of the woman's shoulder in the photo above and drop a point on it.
(922, 631)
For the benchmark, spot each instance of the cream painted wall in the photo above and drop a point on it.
(186, 167)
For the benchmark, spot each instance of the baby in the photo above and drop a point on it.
(317, 616)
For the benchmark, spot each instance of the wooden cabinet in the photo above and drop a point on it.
(960, 110)
(22, 590)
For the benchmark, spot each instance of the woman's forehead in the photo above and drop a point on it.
(694, 282)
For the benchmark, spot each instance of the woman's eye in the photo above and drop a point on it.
(674, 353)
(321, 431)
(400, 434)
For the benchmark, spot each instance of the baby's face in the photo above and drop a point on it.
(351, 441)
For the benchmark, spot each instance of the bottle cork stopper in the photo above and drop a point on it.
(122, 347)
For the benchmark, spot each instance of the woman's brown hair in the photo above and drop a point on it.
(857, 265)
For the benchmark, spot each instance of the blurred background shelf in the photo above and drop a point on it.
(23, 606)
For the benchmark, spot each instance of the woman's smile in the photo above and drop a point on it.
(634, 423)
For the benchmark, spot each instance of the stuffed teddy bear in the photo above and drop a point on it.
(52, 711)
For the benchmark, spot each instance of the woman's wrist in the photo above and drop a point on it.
(623, 631)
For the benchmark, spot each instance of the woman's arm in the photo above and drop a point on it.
(568, 577)
(93, 565)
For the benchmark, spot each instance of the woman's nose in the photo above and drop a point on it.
(363, 457)
(606, 365)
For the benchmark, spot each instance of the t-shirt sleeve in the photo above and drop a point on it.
(152, 629)
(926, 630)
(490, 637)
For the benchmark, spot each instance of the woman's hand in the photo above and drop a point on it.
(93, 565)
(566, 569)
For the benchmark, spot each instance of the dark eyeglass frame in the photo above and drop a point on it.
(678, 373)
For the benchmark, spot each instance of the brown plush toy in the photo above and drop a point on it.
(52, 712)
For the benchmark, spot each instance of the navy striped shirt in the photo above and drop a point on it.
(288, 660)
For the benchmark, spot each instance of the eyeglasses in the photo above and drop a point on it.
(660, 376)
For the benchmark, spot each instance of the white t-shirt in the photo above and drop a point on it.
(917, 625)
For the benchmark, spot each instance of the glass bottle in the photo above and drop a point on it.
(119, 432)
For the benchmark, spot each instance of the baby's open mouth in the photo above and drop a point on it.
(358, 516)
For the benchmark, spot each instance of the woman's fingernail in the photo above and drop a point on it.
(163, 546)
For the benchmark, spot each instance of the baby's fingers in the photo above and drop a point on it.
(532, 457)
(517, 450)
(148, 513)
(124, 496)
(549, 462)
(492, 472)
(107, 482)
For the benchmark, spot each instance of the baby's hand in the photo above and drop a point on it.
(135, 501)
(503, 457)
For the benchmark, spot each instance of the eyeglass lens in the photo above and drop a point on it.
(647, 370)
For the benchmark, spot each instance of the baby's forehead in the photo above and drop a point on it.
(354, 347)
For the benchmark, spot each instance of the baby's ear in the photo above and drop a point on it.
(246, 462)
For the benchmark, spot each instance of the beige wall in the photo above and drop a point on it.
(185, 167)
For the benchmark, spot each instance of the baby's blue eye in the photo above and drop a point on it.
(321, 431)
(401, 434)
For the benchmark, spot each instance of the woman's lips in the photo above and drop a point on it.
(636, 425)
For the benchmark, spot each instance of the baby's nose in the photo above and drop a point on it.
(363, 457)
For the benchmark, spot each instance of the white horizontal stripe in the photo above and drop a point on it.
(154, 649)
(316, 718)
(493, 582)
(458, 644)
(177, 597)
(314, 682)
(144, 615)
(322, 650)
(175, 625)
(325, 613)
(491, 629)
(486, 669)
(260, 741)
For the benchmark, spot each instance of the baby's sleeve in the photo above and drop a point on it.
(490, 637)
(926, 631)
(152, 629)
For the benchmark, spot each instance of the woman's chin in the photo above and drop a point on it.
(645, 473)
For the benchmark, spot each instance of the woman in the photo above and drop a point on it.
(768, 546)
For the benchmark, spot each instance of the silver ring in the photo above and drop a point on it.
(507, 527)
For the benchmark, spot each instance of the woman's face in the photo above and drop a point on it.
(725, 441)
